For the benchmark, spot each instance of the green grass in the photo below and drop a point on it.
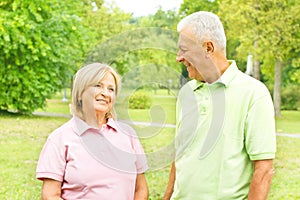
(22, 137)
(21, 140)
(162, 111)
(286, 181)
(289, 122)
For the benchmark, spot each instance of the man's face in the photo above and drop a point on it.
(194, 55)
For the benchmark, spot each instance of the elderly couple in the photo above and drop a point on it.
(225, 133)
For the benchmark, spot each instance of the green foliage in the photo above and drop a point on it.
(190, 6)
(139, 100)
(121, 49)
(162, 19)
(151, 42)
(102, 25)
(290, 97)
(291, 73)
(143, 56)
(274, 25)
(41, 45)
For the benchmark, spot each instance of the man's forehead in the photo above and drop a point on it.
(187, 36)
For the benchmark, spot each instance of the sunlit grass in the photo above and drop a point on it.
(21, 140)
(22, 137)
(286, 181)
(289, 122)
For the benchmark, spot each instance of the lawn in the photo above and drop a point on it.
(22, 138)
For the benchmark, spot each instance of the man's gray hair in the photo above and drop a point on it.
(205, 26)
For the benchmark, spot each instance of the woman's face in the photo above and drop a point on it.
(99, 98)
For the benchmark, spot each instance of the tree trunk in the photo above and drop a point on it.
(277, 87)
(256, 71)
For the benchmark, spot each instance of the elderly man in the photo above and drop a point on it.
(225, 139)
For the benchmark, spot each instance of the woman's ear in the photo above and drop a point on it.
(79, 103)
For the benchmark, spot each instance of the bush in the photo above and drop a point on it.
(139, 100)
(290, 97)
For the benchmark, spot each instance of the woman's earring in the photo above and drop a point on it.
(79, 103)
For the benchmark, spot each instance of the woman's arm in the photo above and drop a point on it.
(170, 187)
(51, 189)
(141, 188)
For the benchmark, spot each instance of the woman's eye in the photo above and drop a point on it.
(111, 89)
(97, 85)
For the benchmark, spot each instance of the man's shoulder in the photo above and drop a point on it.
(247, 84)
(189, 85)
(249, 81)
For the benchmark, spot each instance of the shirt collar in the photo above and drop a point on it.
(79, 126)
(224, 79)
(229, 74)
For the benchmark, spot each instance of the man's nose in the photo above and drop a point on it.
(179, 57)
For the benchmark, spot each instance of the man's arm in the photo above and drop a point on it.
(51, 189)
(170, 187)
(261, 180)
(141, 188)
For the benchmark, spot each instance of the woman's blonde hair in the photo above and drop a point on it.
(87, 76)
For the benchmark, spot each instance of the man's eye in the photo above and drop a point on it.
(183, 50)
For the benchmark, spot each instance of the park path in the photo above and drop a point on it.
(292, 135)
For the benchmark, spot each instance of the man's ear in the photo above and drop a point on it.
(209, 46)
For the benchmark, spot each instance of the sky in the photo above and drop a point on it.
(145, 7)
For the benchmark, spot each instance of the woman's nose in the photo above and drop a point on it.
(103, 91)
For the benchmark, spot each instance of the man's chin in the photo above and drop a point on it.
(191, 76)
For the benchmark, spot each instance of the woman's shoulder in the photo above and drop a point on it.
(123, 127)
(61, 131)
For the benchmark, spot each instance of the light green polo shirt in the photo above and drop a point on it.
(221, 128)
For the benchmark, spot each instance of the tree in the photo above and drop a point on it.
(103, 23)
(269, 29)
(190, 6)
(40, 45)
(281, 27)
(150, 40)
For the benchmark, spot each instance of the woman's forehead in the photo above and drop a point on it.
(108, 79)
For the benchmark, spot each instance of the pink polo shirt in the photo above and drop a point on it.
(93, 163)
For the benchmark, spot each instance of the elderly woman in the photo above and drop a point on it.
(93, 156)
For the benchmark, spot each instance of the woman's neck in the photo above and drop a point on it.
(95, 120)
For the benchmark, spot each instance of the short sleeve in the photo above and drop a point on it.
(260, 130)
(141, 159)
(52, 162)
